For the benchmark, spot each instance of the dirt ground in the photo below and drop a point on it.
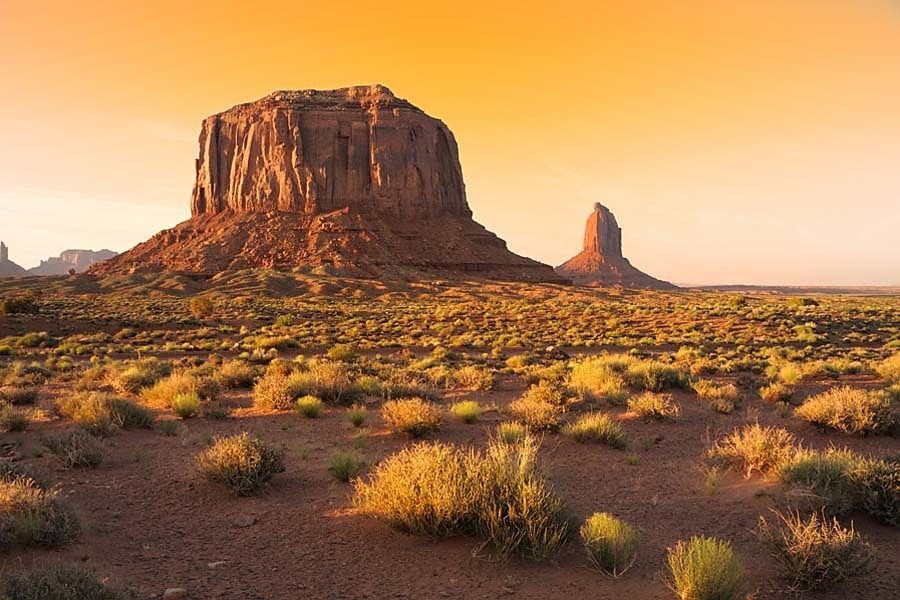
(150, 521)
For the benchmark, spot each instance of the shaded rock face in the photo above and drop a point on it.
(79, 260)
(601, 263)
(7, 267)
(353, 179)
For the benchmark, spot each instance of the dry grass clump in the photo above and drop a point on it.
(755, 448)
(473, 377)
(599, 378)
(327, 380)
(878, 489)
(776, 392)
(132, 377)
(889, 369)
(815, 552)
(33, 516)
(165, 390)
(650, 405)
(58, 582)
(242, 463)
(442, 490)
(271, 392)
(235, 374)
(852, 410)
(13, 419)
(102, 413)
(535, 411)
(597, 427)
(309, 406)
(654, 376)
(821, 480)
(468, 410)
(413, 416)
(342, 353)
(705, 568)
(720, 397)
(357, 414)
(186, 405)
(17, 395)
(611, 543)
(511, 432)
(76, 448)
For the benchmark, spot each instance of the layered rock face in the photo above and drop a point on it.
(7, 267)
(601, 262)
(79, 260)
(353, 178)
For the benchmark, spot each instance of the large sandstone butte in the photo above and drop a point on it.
(77, 260)
(601, 263)
(354, 179)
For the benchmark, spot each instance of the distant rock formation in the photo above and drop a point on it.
(354, 179)
(601, 263)
(7, 267)
(79, 260)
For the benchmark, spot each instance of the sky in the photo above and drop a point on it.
(736, 142)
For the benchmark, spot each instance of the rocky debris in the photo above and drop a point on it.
(68, 260)
(353, 181)
(601, 263)
(7, 267)
(173, 593)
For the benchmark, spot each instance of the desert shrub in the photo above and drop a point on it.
(776, 392)
(877, 490)
(815, 552)
(58, 582)
(186, 405)
(705, 568)
(441, 490)
(18, 395)
(76, 448)
(102, 413)
(165, 390)
(889, 368)
(536, 413)
(356, 414)
(271, 392)
(242, 463)
(201, 307)
(596, 379)
(611, 543)
(473, 377)
(654, 406)
(852, 410)
(511, 432)
(468, 410)
(754, 448)
(235, 374)
(413, 416)
(11, 305)
(342, 353)
(327, 380)
(131, 377)
(597, 427)
(654, 376)
(344, 465)
(33, 516)
(820, 479)
(13, 419)
(309, 406)
(555, 374)
(720, 397)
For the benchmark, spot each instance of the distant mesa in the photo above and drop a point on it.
(7, 267)
(68, 260)
(601, 263)
(354, 180)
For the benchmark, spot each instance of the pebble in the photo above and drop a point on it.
(217, 564)
(172, 593)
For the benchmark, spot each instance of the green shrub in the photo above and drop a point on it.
(413, 416)
(755, 448)
(815, 552)
(776, 392)
(33, 516)
(820, 479)
(342, 353)
(511, 432)
(472, 377)
(102, 413)
(58, 582)
(272, 392)
(654, 406)
(597, 427)
(654, 376)
(132, 377)
(329, 381)
(235, 374)
(468, 410)
(441, 490)
(242, 463)
(596, 379)
(76, 448)
(356, 414)
(344, 466)
(309, 406)
(611, 543)
(877, 484)
(186, 405)
(705, 569)
(165, 390)
(852, 411)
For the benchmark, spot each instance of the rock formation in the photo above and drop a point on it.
(79, 260)
(601, 263)
(7, 267)
(353, 178)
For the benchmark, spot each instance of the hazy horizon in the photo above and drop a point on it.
(736, 143)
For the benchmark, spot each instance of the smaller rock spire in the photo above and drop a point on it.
(4, 252)
(602, 233)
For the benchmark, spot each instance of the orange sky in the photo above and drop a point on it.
(752, 142)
